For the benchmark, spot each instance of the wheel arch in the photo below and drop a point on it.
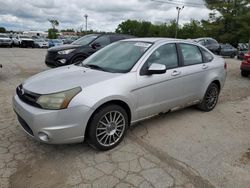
(118, 102)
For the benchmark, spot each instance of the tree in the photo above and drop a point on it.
(52, 32)
(54, 23)
(233, 16)
(2, 30)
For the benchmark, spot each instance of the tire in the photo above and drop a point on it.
(245, 73)
(78, 60)
(103, 132)
(210, 98)
(232, 55)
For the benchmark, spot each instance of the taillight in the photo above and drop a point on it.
(225, 66)
(247, 57)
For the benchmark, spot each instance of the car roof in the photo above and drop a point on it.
(160, 40)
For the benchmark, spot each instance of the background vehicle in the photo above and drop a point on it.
(80, 49)
(41, 43)
(5, 40)
(123, 83)
(242, 49)
(245, 65)
(210, 44)
(55, 42)
(228, 50)
(23, 41)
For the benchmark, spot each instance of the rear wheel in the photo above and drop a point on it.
(78, 60)
(245, 73)
(232, 55)
(210, 99)
(107, 127)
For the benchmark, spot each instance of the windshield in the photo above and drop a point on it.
(3, 36)
(57, 41)
(118, 57)
(24, 37)
(85, 40)
(40, 40)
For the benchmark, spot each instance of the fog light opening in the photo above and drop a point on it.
(63, 61)
(43, 136)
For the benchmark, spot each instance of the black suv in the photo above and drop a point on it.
(80, 49)
(210, 44)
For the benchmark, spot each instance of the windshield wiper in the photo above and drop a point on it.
(96, 67)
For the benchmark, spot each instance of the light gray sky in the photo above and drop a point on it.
(104, 15)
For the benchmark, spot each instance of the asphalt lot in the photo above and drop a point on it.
(186, 148)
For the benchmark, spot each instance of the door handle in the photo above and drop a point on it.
(204, 66)
(176, 73)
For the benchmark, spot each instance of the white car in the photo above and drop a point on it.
(23, 41)
(5, 40)
(41, 43)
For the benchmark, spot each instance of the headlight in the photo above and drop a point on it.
(66, 51)
(57, 101)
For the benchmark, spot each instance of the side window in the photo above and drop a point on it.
(191, 54)
(102, 41)
(115, 38)
(166, 55)
(208, 57)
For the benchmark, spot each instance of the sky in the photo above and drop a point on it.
(103, 15)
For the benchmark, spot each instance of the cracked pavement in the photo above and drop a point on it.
(177, 149)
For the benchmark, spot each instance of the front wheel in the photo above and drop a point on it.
(245, 73)
(210, 99)
(107, 127)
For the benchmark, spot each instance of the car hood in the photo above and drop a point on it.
(65, 78)
(7, 39)
(63, 47)
(24, 39)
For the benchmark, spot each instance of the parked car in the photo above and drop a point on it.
(41, 43)
(245, 65)
(5, 40)
(23, 41)
(55, 42)
(242, 49)
(210, 44)
(80, 49)
(228, 50)
(121, 84)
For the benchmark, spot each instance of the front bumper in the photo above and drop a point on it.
(62, 126)
(3, 43)
(53, 59)
(245, 66)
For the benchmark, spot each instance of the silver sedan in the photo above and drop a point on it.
(123, 83)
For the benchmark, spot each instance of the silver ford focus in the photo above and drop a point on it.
(123, 83)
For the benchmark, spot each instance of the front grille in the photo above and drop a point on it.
(27, 97)
(25, 126)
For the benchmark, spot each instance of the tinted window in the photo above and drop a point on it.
(166, 55)
(211, 41)
(206, 55)
(191, 54)
(102, 41)
(116, 38)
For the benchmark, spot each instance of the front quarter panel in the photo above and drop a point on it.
(118, 88)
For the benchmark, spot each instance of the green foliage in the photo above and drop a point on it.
(2, 30)
(54, 23)
(229, 22)
(52, 33)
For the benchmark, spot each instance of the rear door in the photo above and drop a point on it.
(193, 71)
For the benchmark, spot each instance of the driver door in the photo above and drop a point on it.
(159, 92)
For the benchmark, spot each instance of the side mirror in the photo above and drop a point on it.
(95, 45)
(156, 68)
